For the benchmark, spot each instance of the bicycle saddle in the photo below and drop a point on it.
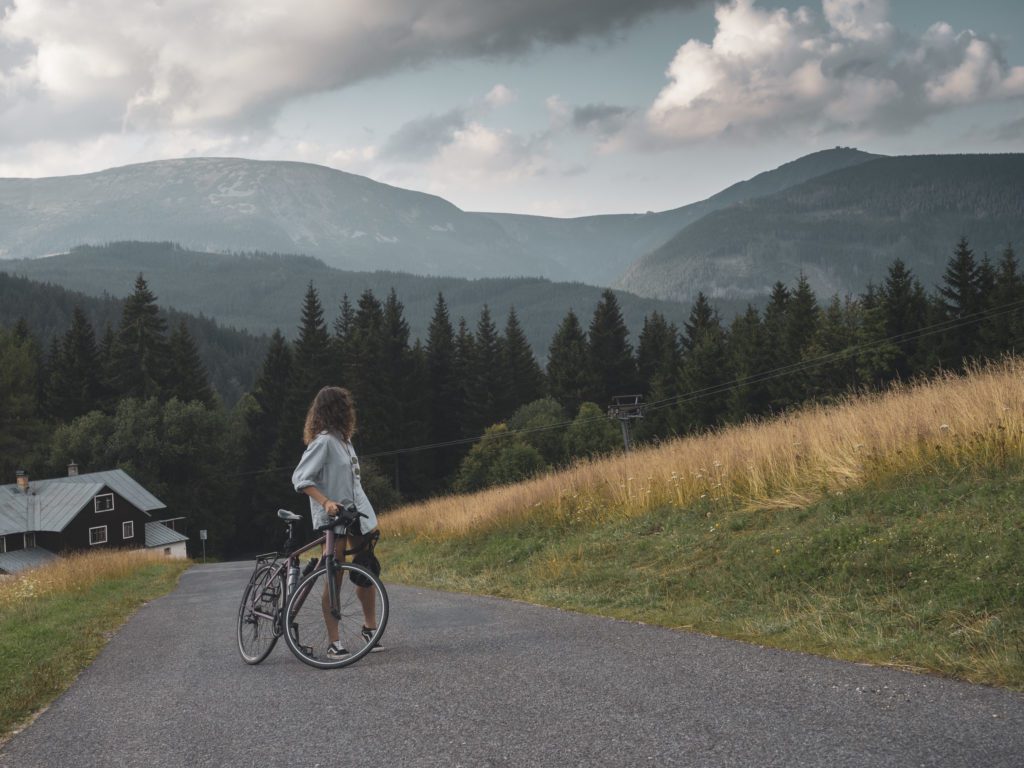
(284, 514)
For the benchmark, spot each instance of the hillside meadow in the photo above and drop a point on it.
(887, 528)
(55, 619)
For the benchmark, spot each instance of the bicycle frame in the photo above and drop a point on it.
(280, 571)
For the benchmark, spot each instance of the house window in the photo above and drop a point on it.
(128, 529)
(98, 535)
(104, 502)
(30, 540)
(167, 551)
(3, 544)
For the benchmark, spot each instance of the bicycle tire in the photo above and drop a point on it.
(256, 634)
(308, 638)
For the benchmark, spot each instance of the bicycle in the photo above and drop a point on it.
(276, 598)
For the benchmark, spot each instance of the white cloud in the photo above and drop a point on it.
(844, 69)
(196, 64)
(500, 95)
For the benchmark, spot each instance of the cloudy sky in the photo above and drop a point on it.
(557, 107)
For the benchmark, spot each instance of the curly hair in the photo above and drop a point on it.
(333, 409)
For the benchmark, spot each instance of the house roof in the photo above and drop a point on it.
(12, 562)
(159, 535)
(51, 504)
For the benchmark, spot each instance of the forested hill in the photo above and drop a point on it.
(595, 249)
(231, 357)
(843, 229)
(261, 292)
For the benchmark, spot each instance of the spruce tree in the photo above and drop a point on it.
(961, 301)
(139, 356)
(903, 307)
(1003, 329)
(704, 371)
(465, 353)
(444, 395)
(750, 357)
(801, 323)
(484, 380)
(833, 369)
(524, 381)
(777, 338)
(187, 377)
(611, 363)
(658, 353)
(568, 365)
(311, 370)
(75, 378)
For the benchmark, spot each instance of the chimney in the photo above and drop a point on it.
(72, 469)
(22, 480)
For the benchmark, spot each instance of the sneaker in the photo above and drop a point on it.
(336, 651)
(368, 636)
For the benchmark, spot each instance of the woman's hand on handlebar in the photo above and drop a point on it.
(332, 508)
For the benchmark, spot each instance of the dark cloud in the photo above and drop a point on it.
(421, 139)
(605, 119)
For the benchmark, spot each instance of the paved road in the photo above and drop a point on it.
(472, 681)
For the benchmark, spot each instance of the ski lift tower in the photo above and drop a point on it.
(626, 408)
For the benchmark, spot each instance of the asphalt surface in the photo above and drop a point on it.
(468, 681)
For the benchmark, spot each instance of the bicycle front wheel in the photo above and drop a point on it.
(258, 615)
(312, 626)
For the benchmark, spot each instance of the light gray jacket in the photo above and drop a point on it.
(331, 465)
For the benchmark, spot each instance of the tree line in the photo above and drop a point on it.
(140, 397)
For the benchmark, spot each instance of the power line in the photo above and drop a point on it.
(774, 373)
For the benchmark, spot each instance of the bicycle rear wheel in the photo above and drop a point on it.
(308, 616)
(258, 614)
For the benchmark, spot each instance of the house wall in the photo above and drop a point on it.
(76, 534)
(176, 550)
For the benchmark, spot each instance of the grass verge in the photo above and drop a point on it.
(52, 626)
(920, 570)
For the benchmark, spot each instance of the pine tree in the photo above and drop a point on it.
(903, 307)
(444, 395)
(704, 370)
(465, 353)
(801, 323)
(524, 381)
(187, 380)
(750, 357)
(139, 356)
(658, 353)
(833, 368)
(344, 324)
(611, 363)
(75, 387)
(960, 299)
(311, 370)
(267, 487)
(568, 365)
(777, 339)
(1003, 329)
(484, 380)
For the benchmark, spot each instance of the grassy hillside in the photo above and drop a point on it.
(843, 229)
(889, 529)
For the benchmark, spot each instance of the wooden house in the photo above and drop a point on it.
(80, 512)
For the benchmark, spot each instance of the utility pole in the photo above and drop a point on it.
(626, 408)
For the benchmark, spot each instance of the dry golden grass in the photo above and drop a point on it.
(75, 573)
(790, 461)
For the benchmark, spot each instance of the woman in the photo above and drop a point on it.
(329, 474)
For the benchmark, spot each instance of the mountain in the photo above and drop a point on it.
(260, 292)
(843, 229)
(232, 358)
(348, 221)
(596, 249)
(223, 204)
